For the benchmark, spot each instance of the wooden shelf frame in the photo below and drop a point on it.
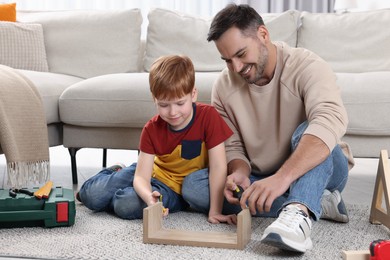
(155, 233)
(378, 214)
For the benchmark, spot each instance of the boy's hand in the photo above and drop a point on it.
(157, 197)
(219, 218)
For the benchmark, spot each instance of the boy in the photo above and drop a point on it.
(185, 139)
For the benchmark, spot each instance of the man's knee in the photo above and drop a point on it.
(296, 137)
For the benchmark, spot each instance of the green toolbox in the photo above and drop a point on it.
(23, 209)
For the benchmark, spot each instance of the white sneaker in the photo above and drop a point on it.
(290, 231)
(333, 207)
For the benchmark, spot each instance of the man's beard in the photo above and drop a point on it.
(261, 64)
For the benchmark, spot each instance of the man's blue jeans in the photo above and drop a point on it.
(332, 174)
(113, 191)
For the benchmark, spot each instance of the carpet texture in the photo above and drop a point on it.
(103, 236)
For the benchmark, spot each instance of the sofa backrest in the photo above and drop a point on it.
(350, 42)
(172, 32)
(89, 43)
(92, 43)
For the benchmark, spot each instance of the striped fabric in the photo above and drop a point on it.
(22, 46)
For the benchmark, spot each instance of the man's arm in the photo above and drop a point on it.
(310, 152)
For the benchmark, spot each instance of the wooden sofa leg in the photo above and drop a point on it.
(72, 152)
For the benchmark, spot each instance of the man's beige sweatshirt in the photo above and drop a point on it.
(263, 118)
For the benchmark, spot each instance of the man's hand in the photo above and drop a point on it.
(219, 218)
(261, 194)
(232, 181)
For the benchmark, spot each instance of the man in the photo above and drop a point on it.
(288, 118)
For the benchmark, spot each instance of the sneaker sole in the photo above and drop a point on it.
(274, 239)
(343, 210)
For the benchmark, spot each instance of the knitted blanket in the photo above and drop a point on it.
(23, 130)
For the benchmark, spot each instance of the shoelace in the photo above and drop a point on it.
(291, 217)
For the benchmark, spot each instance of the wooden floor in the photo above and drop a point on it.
(359, 189)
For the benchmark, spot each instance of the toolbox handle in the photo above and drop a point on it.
(26, 215)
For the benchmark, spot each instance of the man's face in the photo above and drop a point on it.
(245, 55)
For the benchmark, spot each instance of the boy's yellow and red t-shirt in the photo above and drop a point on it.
(179, 153)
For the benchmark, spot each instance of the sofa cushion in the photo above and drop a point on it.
(50, 86)
(22, 46)
(366, 97)
(171, 32)
(8, 12)
(283, 26)
(350, 42)
(118, 100)
(89, 43)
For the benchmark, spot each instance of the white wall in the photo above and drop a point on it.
(361, 5)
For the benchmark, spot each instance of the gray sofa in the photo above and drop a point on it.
(95, 86)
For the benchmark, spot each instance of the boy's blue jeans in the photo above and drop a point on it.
(332, 174)
(113, 191)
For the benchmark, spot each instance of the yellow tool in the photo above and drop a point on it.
(164, 209)
(44, 191)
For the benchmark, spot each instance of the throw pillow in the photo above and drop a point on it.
(8, 12)
(89, 43)
(350, 42)
(22, 46)
(171, 32)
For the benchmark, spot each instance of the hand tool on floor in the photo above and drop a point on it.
(44, 191)
(13, 192)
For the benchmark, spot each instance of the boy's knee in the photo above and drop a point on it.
(198, 199)
(191, 189)
(93, 200)
(195, 190)
(127, 205)
(188, 192)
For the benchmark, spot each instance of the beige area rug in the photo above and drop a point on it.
(103, 236)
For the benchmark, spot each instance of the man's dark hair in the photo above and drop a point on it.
(243, 17)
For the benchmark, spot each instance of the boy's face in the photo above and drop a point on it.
(177, 112)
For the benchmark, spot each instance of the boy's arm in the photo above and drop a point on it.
(142, 178)
(217, 178)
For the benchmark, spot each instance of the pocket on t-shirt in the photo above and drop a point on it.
(190, 149)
